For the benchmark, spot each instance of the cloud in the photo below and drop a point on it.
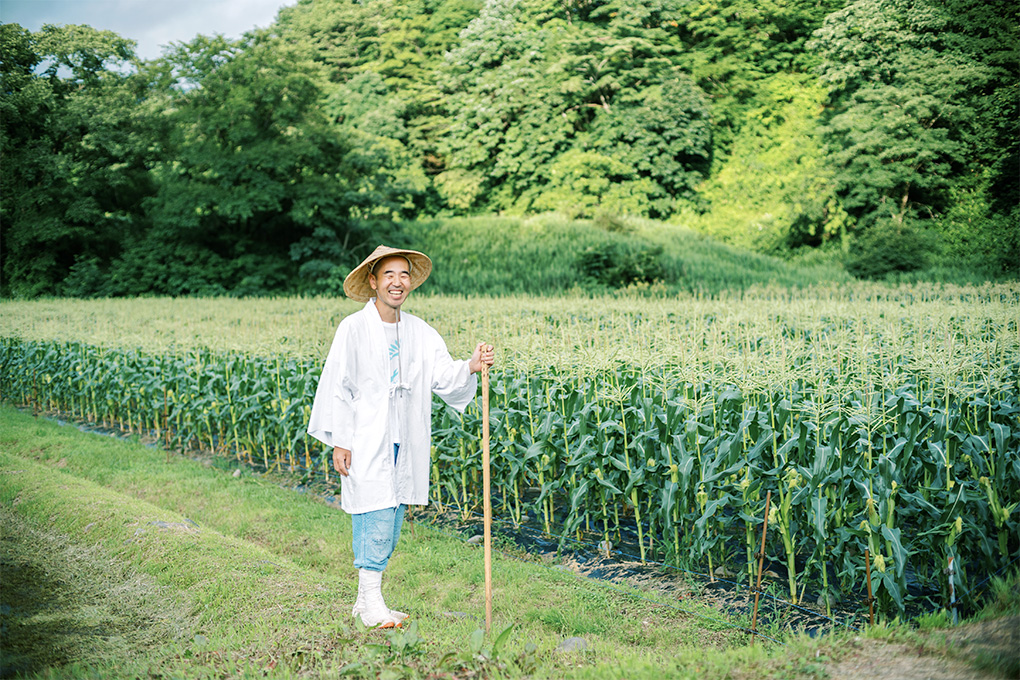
(152, 24)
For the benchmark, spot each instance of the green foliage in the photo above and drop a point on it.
(973, 234)
(733, 47)
(583, 182)
(774, 192)
(612, 267)
(75, 149)
(551, 254)
(382, 62)
(262, 165)
(888, 247)
(571, 115)
(910, 120)
(254, 169)
(194, 175)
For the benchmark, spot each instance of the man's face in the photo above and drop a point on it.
(391, 281)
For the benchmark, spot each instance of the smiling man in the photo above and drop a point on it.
(373, 407)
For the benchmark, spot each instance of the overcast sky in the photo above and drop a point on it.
(151, 23)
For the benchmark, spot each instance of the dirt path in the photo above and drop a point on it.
(974, 651)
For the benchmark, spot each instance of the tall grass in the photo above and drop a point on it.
(551, 255)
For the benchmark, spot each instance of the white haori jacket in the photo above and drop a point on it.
(351, 407)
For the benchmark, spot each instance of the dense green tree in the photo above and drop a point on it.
(732, 47)
(76, 146)
(774, 191)
(497, 101)
(266, 164)
(577, 113)
(252, 168)
(910, 91)
(555, 77)
(382, 61)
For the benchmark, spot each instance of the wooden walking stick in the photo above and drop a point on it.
(487, 502)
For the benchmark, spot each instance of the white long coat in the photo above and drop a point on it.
(351, 407)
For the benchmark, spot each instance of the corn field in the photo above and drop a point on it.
(880, 419)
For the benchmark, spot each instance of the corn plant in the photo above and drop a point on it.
(887, 422)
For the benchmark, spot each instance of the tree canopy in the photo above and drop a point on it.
(910, 122)
(263, 164)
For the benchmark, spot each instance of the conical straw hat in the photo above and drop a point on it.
(356, 284)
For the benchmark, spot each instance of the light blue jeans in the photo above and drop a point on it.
(376, 534)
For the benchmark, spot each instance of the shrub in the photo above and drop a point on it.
(614, 266)
(888, 247)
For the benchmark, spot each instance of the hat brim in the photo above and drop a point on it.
(357, 286)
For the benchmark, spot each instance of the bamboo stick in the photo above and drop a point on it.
(761, 563)
(871, 600)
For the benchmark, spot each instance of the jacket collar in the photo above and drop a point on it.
(379, 339)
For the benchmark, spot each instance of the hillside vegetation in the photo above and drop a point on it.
(552, 255)
(880, 133)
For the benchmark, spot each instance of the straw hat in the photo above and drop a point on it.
(356, 284)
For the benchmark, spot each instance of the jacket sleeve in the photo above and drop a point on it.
(452, 381)
(332, 418)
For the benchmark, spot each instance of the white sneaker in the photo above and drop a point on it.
(370, 605)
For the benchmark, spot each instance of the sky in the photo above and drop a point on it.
(151, 23)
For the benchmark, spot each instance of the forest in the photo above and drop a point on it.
(880, 137)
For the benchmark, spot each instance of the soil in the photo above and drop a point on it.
(974, 651)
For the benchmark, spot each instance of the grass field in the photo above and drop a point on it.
(120, 563)
(179, 567)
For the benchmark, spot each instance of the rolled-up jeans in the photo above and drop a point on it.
(376, 534)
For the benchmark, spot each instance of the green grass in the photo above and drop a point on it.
(552, 255)
(79, 600)
(267, 572)
(118, 562)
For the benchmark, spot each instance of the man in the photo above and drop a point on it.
(373, 406)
